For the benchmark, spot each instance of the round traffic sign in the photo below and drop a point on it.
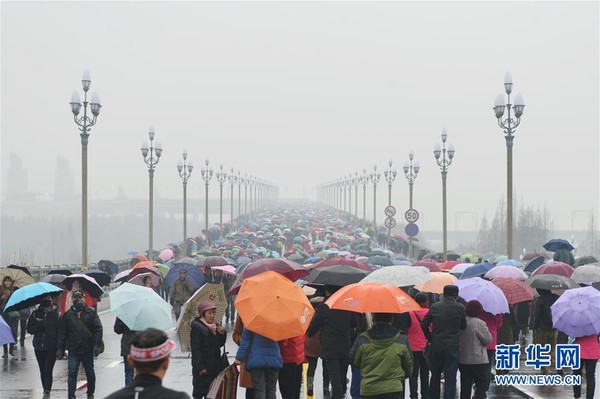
(390, 211)
(390, 223)
(411, 215)
(411, 229)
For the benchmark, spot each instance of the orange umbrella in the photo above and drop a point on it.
(143, 264)
(372, 298)
(436, 283)
(273, 306)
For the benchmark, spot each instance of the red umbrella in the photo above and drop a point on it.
(289, 269)
(515, 291)
(449, 264)
(428, 263)
(340, 261)
(144, 269)
(558, 268)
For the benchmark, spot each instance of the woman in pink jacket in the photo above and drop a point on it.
(590, 353)
(417, 342)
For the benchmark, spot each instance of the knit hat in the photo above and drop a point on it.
(473, 308)
(204, 306)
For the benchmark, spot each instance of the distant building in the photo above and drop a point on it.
(16, 181)
(64, 181)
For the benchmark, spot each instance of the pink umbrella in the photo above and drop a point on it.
(166, 254)
(558, 268)
(428, 263)
(139, 279)
(227, 269)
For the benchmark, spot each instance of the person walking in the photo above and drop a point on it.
(263, 359)
(207, 337)
(150, 358)
(563, 254)
(447, 318)
(12, 317)
(494, 323)
(290, 375)
(43, 325)
(417, 342)
(590, 353)
(180, 292)
(245, 375)
(384, 357)
(80, 332)
(473, 355)
(126, 337)
(541, 322)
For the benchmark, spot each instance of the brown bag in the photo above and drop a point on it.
(245, 376)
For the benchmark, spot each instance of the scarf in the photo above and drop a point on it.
(212, 327)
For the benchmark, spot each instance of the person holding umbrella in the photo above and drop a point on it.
(126, 337)
(11, 318)
(541, 322)
(43, 325)
(207, 337)
(590, 353)
(182, 291)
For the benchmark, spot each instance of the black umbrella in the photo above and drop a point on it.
(338, 276)
(379, 260)
(557, 243)
(585, 260)
(21, 268)
(534, 264)
(551, 282)
(101, 278)
(64, 272)
(53, 278)
(111, 267)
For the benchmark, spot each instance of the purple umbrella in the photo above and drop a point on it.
(6, 336)
(491, 297)
(506, 272)
(576, 312)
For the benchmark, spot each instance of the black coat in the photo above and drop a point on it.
(448, 319)
(206, 348)
(44, 328)
(542, 315)
(336, 328)
(147, 387)
(72, 335)
(121, 328)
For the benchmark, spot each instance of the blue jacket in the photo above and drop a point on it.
(259, 352)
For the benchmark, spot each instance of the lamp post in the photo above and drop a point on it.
(151, 156)
(390, 176)
(206, 173)
(364, 180)
(246, 182)
(411, 170)
(185, 168)
(221, 178)
(85, 123)
(443, 158)
(375, 176)
(232, 180)
(508, 125)
(355, 182)
(240, 181)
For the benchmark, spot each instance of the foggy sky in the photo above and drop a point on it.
(302, 93)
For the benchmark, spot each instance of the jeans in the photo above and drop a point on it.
(420, 369)
(290, 381)
(75, 360)
(265, 383)
(337, 369)
(46, 360)
(590, 377)
(393, 395)
(448, 363)
(474, 373)
(355, 382)
(128, 371)
(230, 309)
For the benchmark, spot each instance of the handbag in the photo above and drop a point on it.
(85, 327)
(224, 386)
(224, 359)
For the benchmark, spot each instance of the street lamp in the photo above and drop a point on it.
(444, 157)
(355, 182)
(240, 181)
(509, 125)
(206, 173)
(246, 182)
(185, 171)
(364, 180)
(390, 176)
(411, 170)
(221, 178)
(85, 123)
(375, 176)
(151, 155)
(232, 180)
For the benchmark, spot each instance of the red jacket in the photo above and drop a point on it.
(493, 322)
(589, 347)
(292, 350)
(416, 338)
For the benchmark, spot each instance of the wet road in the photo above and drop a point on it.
(20, 376)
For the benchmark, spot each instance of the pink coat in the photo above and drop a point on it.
(589, 347)
(493, 322)
(416, 338)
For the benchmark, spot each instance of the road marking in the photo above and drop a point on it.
(114, 364)
(82, 384)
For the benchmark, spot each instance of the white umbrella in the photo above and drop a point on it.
(399, 276)
(140, 307)
(587, 274)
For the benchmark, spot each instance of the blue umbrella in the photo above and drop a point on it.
(557, 243)
(477, 270)
(534, 264)
(6, 336)
(510, 262)
(193, 274)
(30, 295)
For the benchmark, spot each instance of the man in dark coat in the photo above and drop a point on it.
(80, 331)
(541, 322)
(126, 337)
(149, 356)
(448, 319)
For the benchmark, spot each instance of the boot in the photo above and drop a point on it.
(11, 351)
(310, 386)
(46, 395)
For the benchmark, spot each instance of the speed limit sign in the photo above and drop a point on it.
(411, 215)
(390, 223)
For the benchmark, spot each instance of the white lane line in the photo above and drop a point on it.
(82, 384)
(114, 364)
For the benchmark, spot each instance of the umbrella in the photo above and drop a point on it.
(144, 263)
(461, 267)
(379, 260)
(273, 306)
(64, 272)
(111, 267)
(398, 276)
(6, 336)
(499, 258)
(189, 311)
(576, 312)
(21, 268)
(449, 264)
(140, 307)
(87, 283)
(53, 278)
(140, 257)
(20, 278)
(428, 263)
(164, 269)
(585, 260)
(166, 254)
(291, 270)
(101, 278)
(506, 272)
(211, 261)
(551, 282)
(534, 264)
(193, 275)
(30, 295)
(373, 298)
(510, 262)
(186, 259)
(338, 276)
(587, 274)
(436, 283)
(138, 279)
(144, 269)
(477, 270)
(559, 268)
(123, 276)
(515, 291)
(491, 297)
(227, 269)
(557, 243)
(337, 261)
